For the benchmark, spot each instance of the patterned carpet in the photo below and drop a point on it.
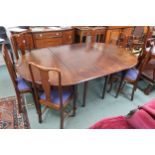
(10, 117)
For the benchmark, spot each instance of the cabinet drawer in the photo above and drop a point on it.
(47, 35)
(47, 42)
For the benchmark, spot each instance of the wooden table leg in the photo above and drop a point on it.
(85, 94)
(105, 86)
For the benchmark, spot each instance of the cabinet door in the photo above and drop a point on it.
(112, 36)
(68, 37)
(29, 40)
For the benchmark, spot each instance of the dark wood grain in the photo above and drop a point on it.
(78, 62)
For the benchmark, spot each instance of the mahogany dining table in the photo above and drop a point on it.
(78, 63)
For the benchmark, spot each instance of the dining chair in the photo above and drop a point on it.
(19, 44)
(137, 39)
(132, 76)
(148, 73)
(20, 85)
(56, 98)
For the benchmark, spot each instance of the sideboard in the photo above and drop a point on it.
(41, 38)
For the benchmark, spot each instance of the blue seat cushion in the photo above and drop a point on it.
(132, 74)
(21, 84)
(55, 96)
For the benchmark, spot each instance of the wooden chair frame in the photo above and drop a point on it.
(46, 85)
(13, 76)
(141, 67)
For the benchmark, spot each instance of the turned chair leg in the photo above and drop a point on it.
(85, 94)
(105, 87)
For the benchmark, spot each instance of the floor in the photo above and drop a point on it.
(95, 109)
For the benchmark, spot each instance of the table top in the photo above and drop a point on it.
(78, 62)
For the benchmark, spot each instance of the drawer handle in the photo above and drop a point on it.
(40, 35)
(57, 34)
(54, 37)
(70, 37)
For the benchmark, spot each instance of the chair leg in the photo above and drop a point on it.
(19, 103)
(39, 113)
(61, 118)
(105, 87)
(85, 94)
(74, 100)
(35, 102)
(110, 83)
(133, 91)
(120, 85)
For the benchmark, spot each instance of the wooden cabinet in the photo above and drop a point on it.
(48, 38)
(97, 33)
(113, 33)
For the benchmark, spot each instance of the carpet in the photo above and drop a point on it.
(10, 118)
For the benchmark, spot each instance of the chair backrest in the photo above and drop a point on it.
(9, 64)
(147, 44)
(138, 31)
(46, 84)
(19, 44)
(145, 58)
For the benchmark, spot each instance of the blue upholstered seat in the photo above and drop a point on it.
(22, 85)
(55, 96)
(132, 74)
